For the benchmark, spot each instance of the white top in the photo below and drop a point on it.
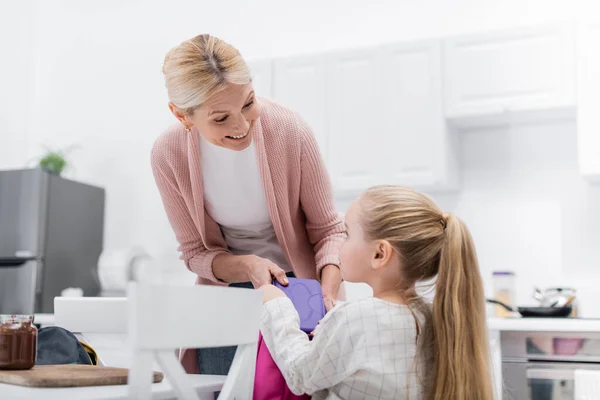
(234, 197)
(363, 349)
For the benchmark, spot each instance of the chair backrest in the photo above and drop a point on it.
(91, 314)
(98, 321)
(587, 384)
(165, 318)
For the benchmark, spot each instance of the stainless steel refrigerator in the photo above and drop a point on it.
(51, 236)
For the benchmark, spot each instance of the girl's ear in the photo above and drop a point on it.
(382, 254)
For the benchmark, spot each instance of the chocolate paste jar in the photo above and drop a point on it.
(18, 342)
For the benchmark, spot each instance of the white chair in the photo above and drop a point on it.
(99, 321)
(91, 314)
(165, 318)
(587, 384)
(102, 322)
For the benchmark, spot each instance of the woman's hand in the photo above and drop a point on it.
(331, 279)
(270, 292)
(262, 271)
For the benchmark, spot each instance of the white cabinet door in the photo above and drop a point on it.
(417, 149)
(588, 90)
(517, 70)
(377, 114)
(299, 84)
(262, 77)
(356, 112)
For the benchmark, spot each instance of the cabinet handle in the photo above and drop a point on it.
(551, 374)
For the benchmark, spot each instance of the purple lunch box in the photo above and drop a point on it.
(307, 297)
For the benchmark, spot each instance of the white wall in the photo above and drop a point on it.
(98, 85)
(16, 83)
(528, 208)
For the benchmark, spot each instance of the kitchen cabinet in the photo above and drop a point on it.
(588, 92)
(299, 84)
(504, 73)
(386, 120)
(387, 114)
(418, 150)
(262, 77)
(377, 114)
(356, 120)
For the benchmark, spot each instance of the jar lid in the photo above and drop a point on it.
(503, 273)
(16, 318)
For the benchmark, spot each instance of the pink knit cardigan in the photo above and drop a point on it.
(297, 187)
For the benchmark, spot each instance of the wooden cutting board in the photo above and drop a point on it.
(69, 375)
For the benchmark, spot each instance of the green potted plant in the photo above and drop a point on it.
(55, 161)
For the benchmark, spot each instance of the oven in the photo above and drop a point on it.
(541, 365)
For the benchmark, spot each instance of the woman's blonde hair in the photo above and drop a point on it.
(431, 244)
(201, 67)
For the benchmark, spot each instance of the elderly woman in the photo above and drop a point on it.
(243, 183)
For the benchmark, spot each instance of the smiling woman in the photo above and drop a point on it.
(227, 118)
(242, 181)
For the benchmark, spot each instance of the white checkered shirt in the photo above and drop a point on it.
(363, 349)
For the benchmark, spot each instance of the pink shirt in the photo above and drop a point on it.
(297, 188)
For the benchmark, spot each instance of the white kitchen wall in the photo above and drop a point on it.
(96, 74)
(528, 208)
(16, 82)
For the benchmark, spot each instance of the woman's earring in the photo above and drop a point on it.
(187, 129)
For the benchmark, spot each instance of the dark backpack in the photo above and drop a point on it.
(57, 345)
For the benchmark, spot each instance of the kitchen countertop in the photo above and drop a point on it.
(494, 324)
(544, 324)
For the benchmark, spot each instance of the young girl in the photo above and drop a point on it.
(394, 345)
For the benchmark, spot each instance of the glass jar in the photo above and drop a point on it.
(18, 342)
(504, 291)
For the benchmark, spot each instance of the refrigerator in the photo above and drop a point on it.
(51, 236)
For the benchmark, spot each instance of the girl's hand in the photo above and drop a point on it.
(331, 279)
(314, 332)
(270, 292)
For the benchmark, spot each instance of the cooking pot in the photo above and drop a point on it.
(556, 297)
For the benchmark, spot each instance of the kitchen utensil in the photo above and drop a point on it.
(537, 294)
(555, 297)
(537, 312)
(569, 301)
(545, 312)
(567, 346)
(561, 302)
